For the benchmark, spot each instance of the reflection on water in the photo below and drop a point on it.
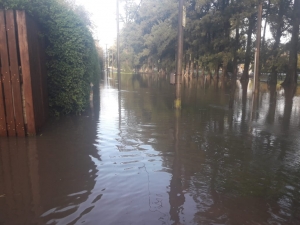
(229, 157)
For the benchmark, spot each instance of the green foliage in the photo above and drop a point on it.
(149, 40)
(72, 58)
(218, 33)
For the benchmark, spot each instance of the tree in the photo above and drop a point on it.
(291, 77)
(218, 34)
(72, 58)
(278, 26)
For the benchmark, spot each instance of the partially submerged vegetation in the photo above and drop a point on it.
(73, 59)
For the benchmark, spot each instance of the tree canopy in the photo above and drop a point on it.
(218, 34)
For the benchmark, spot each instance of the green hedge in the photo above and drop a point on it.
(73, 61)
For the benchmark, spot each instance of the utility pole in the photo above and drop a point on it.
(118, 47)
(257, 55)
(177, 102)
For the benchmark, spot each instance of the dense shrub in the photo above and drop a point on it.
(72, 58)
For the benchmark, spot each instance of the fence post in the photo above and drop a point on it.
(25, 64)
(3, 130)
(6, 78)
(15, 76)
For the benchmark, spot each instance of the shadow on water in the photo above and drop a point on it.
(272, 105)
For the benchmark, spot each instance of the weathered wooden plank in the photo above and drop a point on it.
(6, 78)
(3, 129)
(14, 71)
(25, 65)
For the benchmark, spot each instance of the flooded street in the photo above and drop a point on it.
(226, 158)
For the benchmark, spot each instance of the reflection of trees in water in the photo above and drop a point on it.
(19, 182)
(176, 196)
(230, 165)
(288, 106)
(52, 174)
(272, 104)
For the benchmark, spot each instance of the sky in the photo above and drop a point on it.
(103, 17)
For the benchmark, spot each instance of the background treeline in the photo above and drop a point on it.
(73, 60)
(218, 34)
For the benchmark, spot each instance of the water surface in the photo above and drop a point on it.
(227, 158)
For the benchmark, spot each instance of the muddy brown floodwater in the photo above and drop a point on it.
(227, 158)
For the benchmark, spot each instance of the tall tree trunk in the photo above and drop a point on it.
(289, 93)
(189, 68)
(217, 71)
(272, 105)
(225, 70)
(291, 77)
(275, 49)
(245, 75)
(266, 22)
(234, 75)
(192, 68)
(186, 67)
(236, 48)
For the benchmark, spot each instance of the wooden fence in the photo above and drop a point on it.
(23, 89)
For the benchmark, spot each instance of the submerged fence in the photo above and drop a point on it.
(23, 89)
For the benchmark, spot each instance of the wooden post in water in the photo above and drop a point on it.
(257, 55)
(177, 102)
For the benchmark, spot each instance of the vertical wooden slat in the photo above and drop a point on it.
(6, 79)
(3, 129)
(15, 76)
(25, 64)
(44, 77)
